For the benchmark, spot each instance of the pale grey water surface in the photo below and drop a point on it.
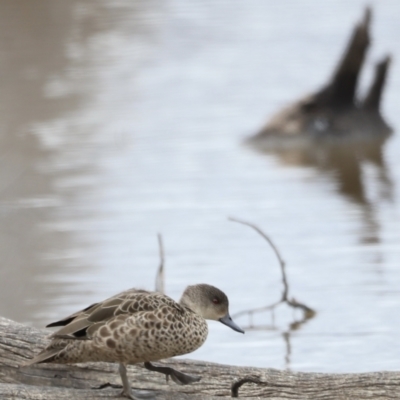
(120, 119)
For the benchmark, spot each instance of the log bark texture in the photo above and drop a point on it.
(18, 343)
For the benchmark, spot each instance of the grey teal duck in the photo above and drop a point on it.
(138, 326)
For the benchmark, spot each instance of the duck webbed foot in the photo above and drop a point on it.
(178, 377)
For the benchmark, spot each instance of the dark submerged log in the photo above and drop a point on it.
(333, 112)
(373, 98)
(18, 343)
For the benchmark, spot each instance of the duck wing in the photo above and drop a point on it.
(82, 324)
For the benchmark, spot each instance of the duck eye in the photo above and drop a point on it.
(215, 300)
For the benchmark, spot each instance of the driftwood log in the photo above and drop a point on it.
(18, 343)
(334, 112)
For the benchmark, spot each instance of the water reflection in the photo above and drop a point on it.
(34, 51)
(58, 133)
(357, 168)
(287, 300)
(36, 38)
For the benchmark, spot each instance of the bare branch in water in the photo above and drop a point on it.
(257, 310)
(276, 251)
(160, 286)
(307, 311)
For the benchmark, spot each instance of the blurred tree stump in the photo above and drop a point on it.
(18, 343)
(334, 111)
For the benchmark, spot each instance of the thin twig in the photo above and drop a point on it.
(276, 251)
(246, 379)
(307, 311)
(259, 309)
(160, 287)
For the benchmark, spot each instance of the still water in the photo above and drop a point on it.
(123, 119)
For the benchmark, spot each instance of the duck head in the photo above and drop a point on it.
(209, 302)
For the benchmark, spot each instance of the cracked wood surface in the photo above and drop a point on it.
(18, 343)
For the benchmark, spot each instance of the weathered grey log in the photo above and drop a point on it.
(333, 112)
(18, 343)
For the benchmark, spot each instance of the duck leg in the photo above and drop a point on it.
(127, 390)
(178, 377)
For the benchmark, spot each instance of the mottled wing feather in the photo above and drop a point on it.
(102, 314)
(83, 324)
(45, 356)
(67, 320)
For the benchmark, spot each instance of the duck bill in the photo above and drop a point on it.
(227, 320)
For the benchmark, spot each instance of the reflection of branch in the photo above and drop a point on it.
(308, 312)
(286, 338)
(160, 273)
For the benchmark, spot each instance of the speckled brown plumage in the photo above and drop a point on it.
(137, 326)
